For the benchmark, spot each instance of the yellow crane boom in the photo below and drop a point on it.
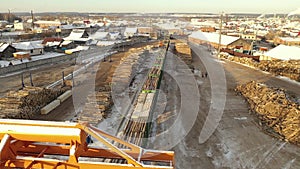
(62, 145)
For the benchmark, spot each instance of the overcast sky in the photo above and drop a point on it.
(190, 6)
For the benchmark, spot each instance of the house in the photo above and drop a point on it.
(115, 36)
(21, 26)
(47, 24)
(148, 31)
(130, 32)
(249, 37)
(78, 36)
(6, 50)
(289, 41)
(207, 29)
(283, 52)
(33, 48)
(50, 43)
(66, 44)
(100, 36)
(212, 39)
(145, 30)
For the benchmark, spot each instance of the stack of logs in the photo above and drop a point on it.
(26, 103)
(183, 48)
(243, 60)
(290, 69)
(276, 111)
(184, 52)
(125, 72)
(96, 108)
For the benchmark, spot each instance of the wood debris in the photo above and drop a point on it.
(275, 110)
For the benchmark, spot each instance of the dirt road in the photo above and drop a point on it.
(237, 141)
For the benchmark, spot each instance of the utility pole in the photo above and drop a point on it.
(220, 35)
(32, 20)
(8, 17)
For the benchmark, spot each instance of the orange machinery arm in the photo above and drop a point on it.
(33, 144)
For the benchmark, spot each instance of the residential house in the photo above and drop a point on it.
(21, 26)
(50, 44)
(148, 31)
(100, 36)
(78, 36)
(130, 32)
(6, 50)
(33, 48)
(47, 24)
(115, 36)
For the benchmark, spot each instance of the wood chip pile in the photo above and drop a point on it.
(27, 103)
(276, 111)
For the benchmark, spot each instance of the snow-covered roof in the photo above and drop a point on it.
(290, 39)
(114, 35)
(50, 44)
(3, 46)
(28, 45)
(77, 35)
(167, 26)
(283, 52)
(99, 35)
(66, 42)
(131, 30)
(213, 37)
(47, 22)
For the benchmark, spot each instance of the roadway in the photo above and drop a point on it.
(233, 138)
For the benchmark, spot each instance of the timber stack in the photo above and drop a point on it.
(183, 48)
(96, 108)
(277, 112)
(289, 68)
(27, 103)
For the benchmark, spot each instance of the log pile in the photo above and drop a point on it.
(125, 72)
(290, 69)
(183, 48)
(26, 103)
(243, 60)
(276, 111)
(96, 108)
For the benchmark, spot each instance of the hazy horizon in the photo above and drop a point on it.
(154, 6)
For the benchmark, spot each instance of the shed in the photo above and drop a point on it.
(6, 50)
(130, 32)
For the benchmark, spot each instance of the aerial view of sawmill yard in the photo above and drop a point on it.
(149, 84)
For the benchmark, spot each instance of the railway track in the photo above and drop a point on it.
(136, 125)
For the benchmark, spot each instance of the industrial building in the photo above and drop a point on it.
(212, 39)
